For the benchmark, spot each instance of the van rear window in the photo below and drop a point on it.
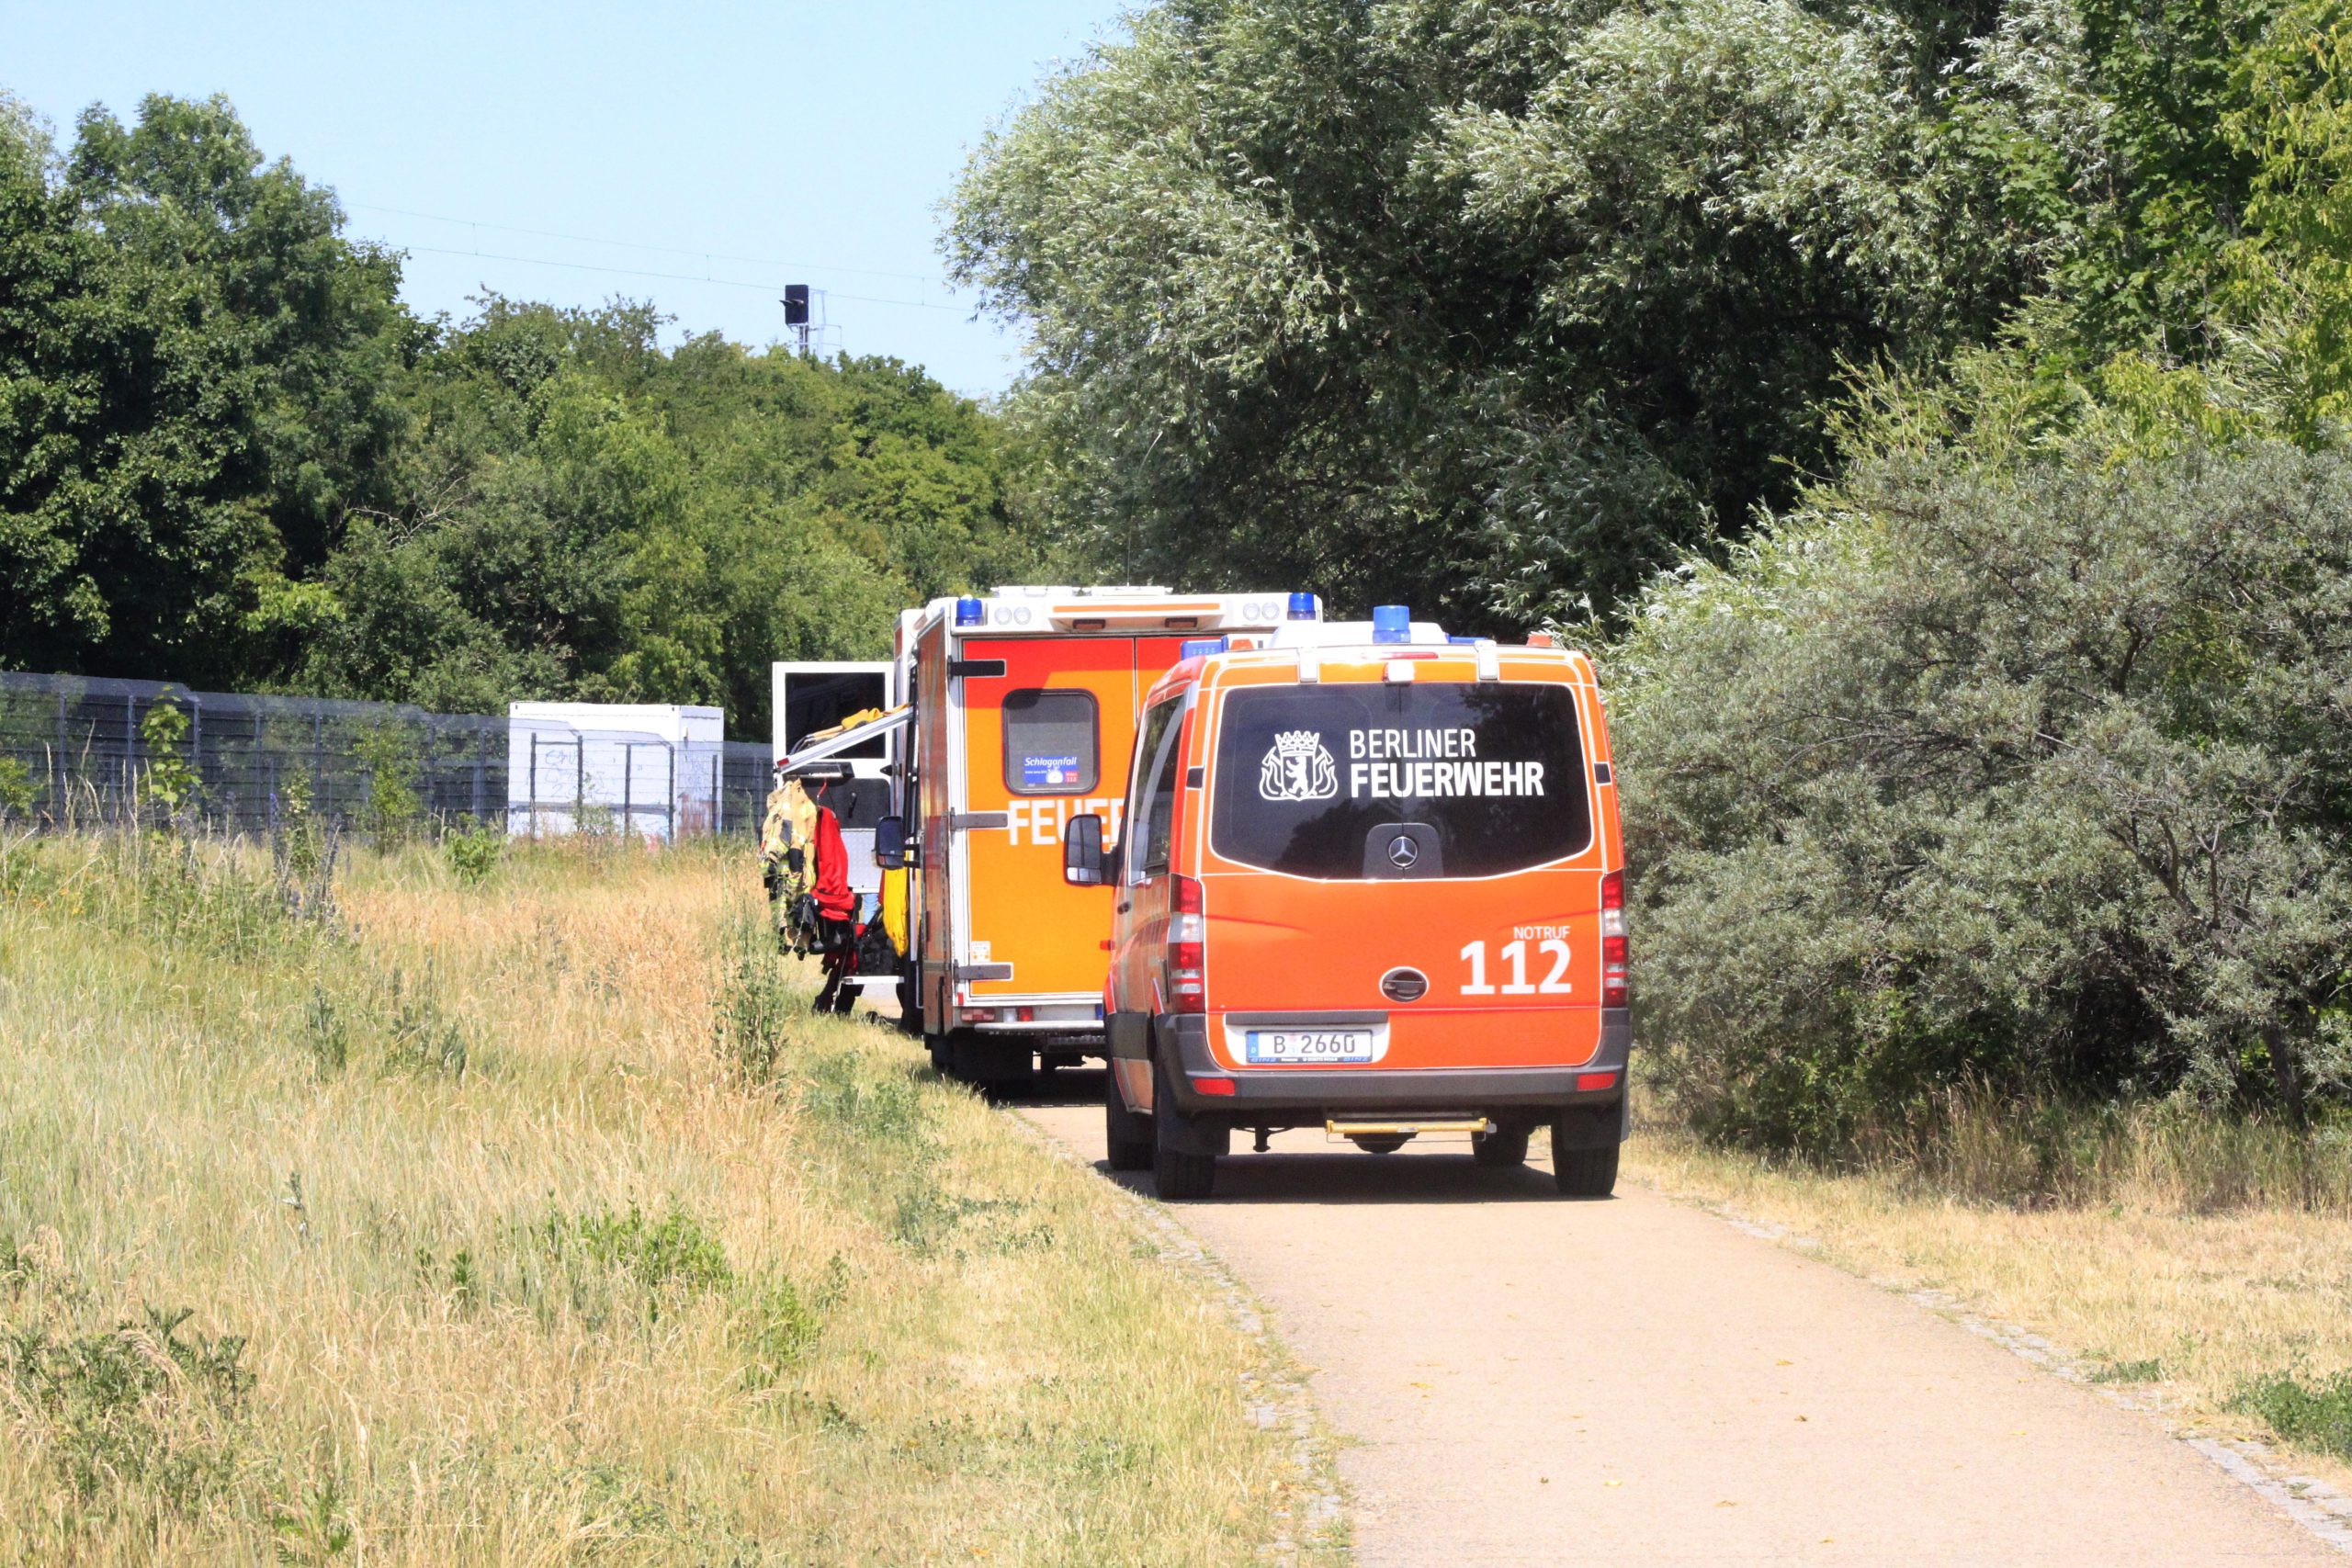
(1321, 781)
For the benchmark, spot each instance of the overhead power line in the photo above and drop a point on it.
(640, 245)
(678, 276)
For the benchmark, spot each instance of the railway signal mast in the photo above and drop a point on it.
(804, 319)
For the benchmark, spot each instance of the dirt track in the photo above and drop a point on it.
(1524, 1380)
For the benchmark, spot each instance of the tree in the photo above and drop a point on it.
(1486, 307)
(582, 512)
(1494, 308)
(201, 368)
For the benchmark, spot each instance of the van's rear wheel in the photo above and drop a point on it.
(1178, 1175)
(1505, 1148)
(1125, 1135)
(1585, 1173)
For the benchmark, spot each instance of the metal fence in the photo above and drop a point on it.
(82, 752)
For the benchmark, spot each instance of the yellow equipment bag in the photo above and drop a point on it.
(894, 908)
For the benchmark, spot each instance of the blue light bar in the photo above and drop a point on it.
(1392, 622)
(1305, 607)
(1462, 641)
(1201, 645)
(968, 612)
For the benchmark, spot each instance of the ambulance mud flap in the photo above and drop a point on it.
(1127, 1035)
(1177, 1132)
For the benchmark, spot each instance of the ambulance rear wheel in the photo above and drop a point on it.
(1585, 1173)
(1505, 1148)
(911, 1009)
(1125, 1135)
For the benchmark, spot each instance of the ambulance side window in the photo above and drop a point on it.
(1050, 745)
(1153, 813)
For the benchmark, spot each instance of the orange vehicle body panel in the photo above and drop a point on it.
(1021, 910)
(987, 888)
(1279, 944)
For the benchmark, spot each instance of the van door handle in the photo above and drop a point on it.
(1125, 908)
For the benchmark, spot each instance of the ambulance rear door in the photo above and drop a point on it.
(1045, 740)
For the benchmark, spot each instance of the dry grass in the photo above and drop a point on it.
(491, 1256)
(2182, 1260)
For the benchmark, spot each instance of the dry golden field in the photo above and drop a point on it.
(536, 1222)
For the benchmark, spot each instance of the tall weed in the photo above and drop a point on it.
(759, 1009)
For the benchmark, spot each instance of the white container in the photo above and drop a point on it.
(653, 769)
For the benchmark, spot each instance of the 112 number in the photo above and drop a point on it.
(1515, 955)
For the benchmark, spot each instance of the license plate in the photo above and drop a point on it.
(1308, 1045)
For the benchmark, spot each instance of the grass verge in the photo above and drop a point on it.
(2207, 1268)
(528, 1216)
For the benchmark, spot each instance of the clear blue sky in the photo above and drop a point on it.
(821, 136)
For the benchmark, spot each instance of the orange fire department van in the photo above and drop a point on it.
(1023, 715)
(1366, 878)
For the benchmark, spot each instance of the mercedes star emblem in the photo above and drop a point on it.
(1403, 851)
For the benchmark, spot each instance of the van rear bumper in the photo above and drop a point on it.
(1315, 1090)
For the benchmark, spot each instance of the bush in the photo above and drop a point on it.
(171, 783)
(2029, 778)
(474, 849)
(136, 1409)
(16, 788)
(2317, 1414)
(389, 752)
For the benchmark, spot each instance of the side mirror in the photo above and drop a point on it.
(1082, 852)
(890, 843)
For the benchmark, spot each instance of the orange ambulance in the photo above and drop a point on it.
(1024, 717)
(1368, 878)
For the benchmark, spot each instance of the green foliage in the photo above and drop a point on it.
(758, 1004)
(2317, 1414)
(1494, 307)
(2032, 774)
(672, 1253)
(418, 1031)
(199, 373)
(1485, 306)
(170, 782)
(319, 1528)
(138, 1409)
(2147, 1369)
(584, 514)
(16, 788)
(387, 753)
(885, 1109)
(473, 851)
(228, 454)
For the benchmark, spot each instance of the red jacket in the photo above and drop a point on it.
(830, 878)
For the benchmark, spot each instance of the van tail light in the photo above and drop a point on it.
(1186, 930)
(1614, 992)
